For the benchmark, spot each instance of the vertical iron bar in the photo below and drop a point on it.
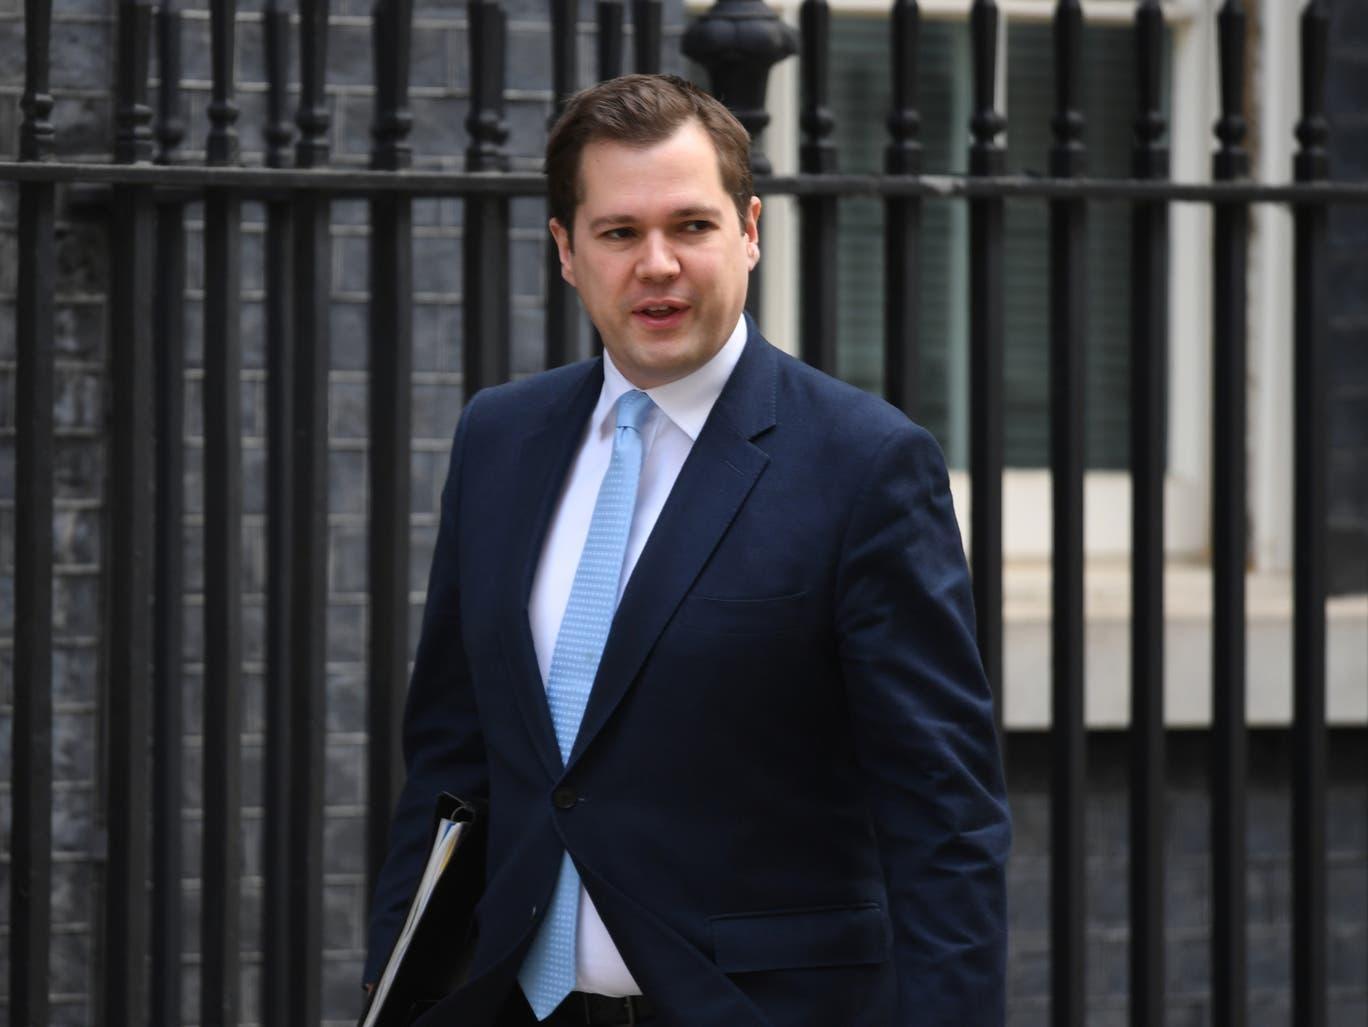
(647, 18)
(1068, 335)
(31, 730)
(562, 308)
(280, 484)
(1148, 439)
(485, 289)
(817, 155)
(167, 729)
(902, 218)
(610, 16)
(220, 877)
(739, 41)
(131, 478)
(308, 607)
(1228, 536)
(986, 158)
(391, 364)
(1309, 504)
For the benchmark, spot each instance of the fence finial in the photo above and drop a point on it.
(738, 41)
(392, 23)
(986, 124)
(313, 118)
(275, 30)
(222, 147)
(1231, 159)
(132, 115)
(36, 132)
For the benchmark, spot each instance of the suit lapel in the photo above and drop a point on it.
(543, 463)
(718, 475)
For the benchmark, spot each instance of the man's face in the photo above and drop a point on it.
(659, 259)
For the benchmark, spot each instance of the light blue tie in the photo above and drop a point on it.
(548, 973)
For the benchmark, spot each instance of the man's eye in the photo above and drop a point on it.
(618, 233)
(697, 226)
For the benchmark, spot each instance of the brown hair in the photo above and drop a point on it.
(641, 110)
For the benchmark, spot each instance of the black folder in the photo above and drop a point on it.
(432, 952)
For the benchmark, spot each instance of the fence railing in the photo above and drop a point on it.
(738, 41)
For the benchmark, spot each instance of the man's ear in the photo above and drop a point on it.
(751, 230)
(565, 249)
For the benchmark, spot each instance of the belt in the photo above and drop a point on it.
(581, 1007)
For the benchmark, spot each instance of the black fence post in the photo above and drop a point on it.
(168, 704)
(647, 18)
(739, 41)
(30, 883)
(986, 159)
(308, 608)
(486, 287)
(818, 224)
(1309, 530)
(131, 479)
(276, 975)
(1148, 442)
(1228, 539)
(902, 218)
(610, 16)
(222, 713)
(562, 307)
(1068, 338)
(390, 406)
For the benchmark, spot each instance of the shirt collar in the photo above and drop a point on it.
(686, 401)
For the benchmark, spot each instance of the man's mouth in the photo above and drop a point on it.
(660, 313)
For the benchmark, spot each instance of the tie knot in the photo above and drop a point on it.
(632, 409)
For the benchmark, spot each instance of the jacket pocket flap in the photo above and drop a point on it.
(794, 938)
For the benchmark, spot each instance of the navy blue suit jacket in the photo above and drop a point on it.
(788, 799)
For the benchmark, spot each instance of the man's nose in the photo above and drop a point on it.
(657, 259)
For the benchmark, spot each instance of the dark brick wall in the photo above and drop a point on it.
(1348, 341)
(1187, 857)
(82, 40)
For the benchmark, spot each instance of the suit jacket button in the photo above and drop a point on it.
(564, 797)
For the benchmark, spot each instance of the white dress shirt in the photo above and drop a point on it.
(681, 408)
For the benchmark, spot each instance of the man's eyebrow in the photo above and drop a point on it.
(678, 214)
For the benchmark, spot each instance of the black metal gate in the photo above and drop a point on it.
(738, 41)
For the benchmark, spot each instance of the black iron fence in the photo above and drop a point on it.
(737, 41)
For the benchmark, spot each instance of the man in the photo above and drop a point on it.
(699, 629)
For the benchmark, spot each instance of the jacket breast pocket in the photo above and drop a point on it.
(765, 615)
(790, 939)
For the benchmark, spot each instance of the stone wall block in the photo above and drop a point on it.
(74, 738)
(82, 125)
(347, 557)
(439, 126)
(75, 604)
(348, 322)
(344, 783)
(529, 330)
(347, 486)
(12, 54)
(344, 845)
(78, 329)
(76, 536)
(347, 409)
(351, 264)
(436, 336)
(436, 408)
(72, 819)
(83, 55)
(346, 632)
(529, 56)
(438, 264)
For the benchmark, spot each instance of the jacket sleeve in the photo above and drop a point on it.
(443, 747)
(924, 733)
